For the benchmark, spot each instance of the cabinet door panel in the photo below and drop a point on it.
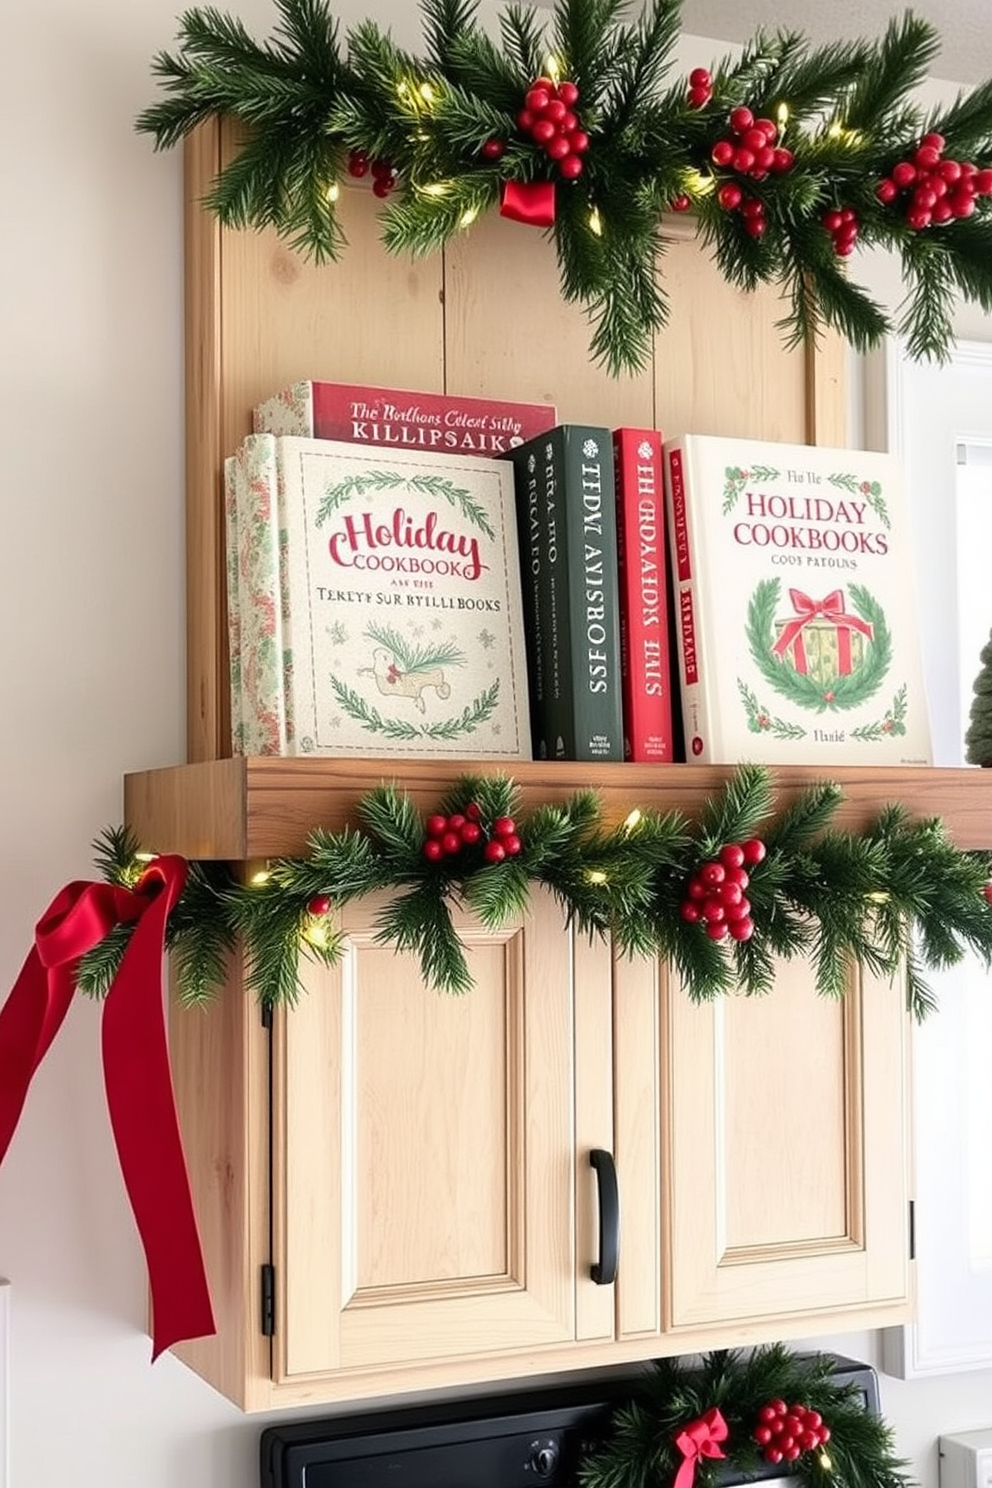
(424, 1154)
(787, 1187)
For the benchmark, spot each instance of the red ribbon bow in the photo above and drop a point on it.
(529, 202)
(831, 607)
(136, 1071)
(699, 1439)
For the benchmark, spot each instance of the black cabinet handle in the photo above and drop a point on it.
(604, 1272)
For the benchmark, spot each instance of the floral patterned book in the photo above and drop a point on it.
(796, 620)
(379, 603)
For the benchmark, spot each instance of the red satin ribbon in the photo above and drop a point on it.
(529, 202)
(136, 1071)
(699, 1439)
(831, 608)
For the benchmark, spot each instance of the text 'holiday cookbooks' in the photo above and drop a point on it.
(796, 617)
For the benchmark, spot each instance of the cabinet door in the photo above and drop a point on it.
(786, 1136)
(424, 1160)
(766, 1142)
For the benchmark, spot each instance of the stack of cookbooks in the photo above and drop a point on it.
(374, 598)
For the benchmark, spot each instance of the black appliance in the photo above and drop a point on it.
(525, 1440)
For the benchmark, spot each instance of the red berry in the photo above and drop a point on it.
(555, 111)
(987, 891)
(831, 220)
(741, 119)
(568, 122)
(738, 911)
(729, 196)
(568, 93)
(696, 889)
(493, 149)
(358, 163)
(451, 842)
(743, 160)
(473, 811)
(456, 821)
(754, 850)
(904, 173)
(754, 138)
(943, 212)
(764, 159)
(762, 1435)
(713, 911)
(755, 227)
(557, 148)
(768, 1413)
(699, 78)
(983, 182)
(571, 166)
(768, 128)
(511, 844)
(731, 855)
(470, 833)
(542, 131)
(433, 850)
(924, 198)
(926, 157)
(844, 247)
(791, 1452)
(436, 825)
(886, 190)
(808, 1440)
(319, 904)
(918, 219)
(689, 911)
(778, 1406)
(494, 852)
(741, 929)
(772, 1454)
(950, 170)
(536, 99)
(716, 930)
(712, 874)
(737, 876)
(382, 187)
(783, 161)
(730, 894)
(812, 1420)
(681, 203)
(578, 141)
(722, 153)
(824, 1435)
(699, 97)
(525, 121)
(504, 826)
(934, 141)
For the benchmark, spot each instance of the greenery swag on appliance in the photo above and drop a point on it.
(787, 154)
(720, 897)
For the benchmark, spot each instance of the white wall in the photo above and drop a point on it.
(91, 589)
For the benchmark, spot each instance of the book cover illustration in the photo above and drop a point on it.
(400, 586)
(797, 628)
(642, 564)
(439, 423)
(259, 659)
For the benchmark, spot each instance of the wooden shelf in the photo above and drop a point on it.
(249, 808)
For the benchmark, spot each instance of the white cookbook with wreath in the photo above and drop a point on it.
(795, 604)
(397, 587)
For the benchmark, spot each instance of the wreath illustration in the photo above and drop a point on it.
(779, 650)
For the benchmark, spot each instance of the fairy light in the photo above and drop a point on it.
(596, 876)
(596, 222)
(782, 115)
(826, 1462)
(468, 217)
(552, 67)
(427, 95)
(435, 188)
(315, 933)
(633, 820)
(699, 185)
(261, 877)
(145, 857)
(333, 191)
(836, 130)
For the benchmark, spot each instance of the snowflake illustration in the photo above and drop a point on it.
(337, 633)
(644, 450)
(590, 449)
(416, 630)
(436, 624)
(486, 639)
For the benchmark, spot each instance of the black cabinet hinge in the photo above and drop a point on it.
(912, 1229)
(266, 1015)
(268, 1301)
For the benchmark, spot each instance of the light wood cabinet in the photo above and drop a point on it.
(394, 1187)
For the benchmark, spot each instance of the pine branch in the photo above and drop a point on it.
(900, 63)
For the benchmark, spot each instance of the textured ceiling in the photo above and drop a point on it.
(965, 26)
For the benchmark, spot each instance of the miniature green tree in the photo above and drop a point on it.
(978, 738)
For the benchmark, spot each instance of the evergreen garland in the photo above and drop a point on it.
(897, 898)
(641, 1450)
(445, 131)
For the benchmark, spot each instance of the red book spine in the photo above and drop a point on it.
(645, 640)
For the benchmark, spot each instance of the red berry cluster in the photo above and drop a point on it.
(842, 225)
(319, 904)
(732, 199)
(700, 88)
(750, 149)
(384, 172)
(784, 1432)
(987, 891)
(549, 117)
(449, 835)
(931, 189)
(715, 893)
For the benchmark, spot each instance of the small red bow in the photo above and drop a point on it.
(699, 1439)
(529, 202)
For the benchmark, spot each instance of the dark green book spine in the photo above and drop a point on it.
(529, 462)
(589, 593)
